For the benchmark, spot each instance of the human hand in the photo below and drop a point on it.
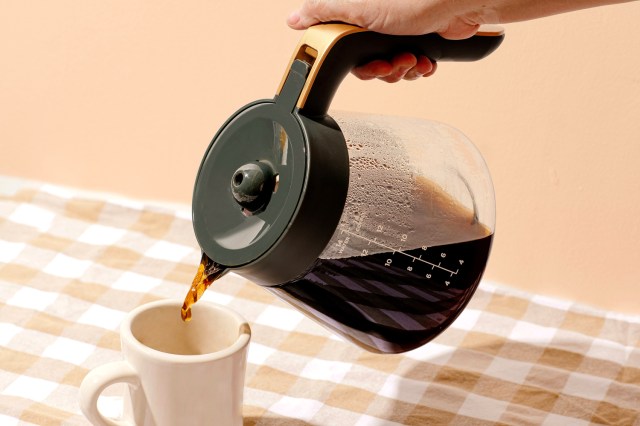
(452, 20)
(400, 17)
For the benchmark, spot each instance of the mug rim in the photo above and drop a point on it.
(126, 333)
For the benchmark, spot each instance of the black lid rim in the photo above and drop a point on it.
(216, 215)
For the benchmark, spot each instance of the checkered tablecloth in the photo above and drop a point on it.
(71, 267)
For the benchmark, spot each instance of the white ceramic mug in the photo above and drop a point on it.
(177, 373)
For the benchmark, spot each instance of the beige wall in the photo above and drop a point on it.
(124, 96)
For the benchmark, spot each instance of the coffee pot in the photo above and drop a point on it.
(377, 227)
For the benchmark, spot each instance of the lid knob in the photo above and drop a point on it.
(252, 185)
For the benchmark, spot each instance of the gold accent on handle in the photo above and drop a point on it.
(313, 48)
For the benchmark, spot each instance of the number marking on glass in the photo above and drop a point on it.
(414, 259)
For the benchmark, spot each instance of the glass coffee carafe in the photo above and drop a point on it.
(377, 227)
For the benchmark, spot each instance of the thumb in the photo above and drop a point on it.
(298, 22)
(316, 11)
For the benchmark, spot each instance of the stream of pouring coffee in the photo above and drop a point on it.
(208, 272)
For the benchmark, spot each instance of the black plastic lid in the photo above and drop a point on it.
(271, 188)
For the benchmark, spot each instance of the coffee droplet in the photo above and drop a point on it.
(185, 313)
(208, 272)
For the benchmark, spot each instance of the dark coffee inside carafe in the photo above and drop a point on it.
(385, 302)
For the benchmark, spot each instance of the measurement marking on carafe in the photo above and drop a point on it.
(433, 265)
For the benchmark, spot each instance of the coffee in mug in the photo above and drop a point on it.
(178, 373)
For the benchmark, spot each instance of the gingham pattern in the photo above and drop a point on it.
(71, 267)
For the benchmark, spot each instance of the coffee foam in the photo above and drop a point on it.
(405, 189)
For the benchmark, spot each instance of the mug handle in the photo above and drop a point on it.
(96, 381)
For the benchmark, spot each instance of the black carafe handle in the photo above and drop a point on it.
(333, 50)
